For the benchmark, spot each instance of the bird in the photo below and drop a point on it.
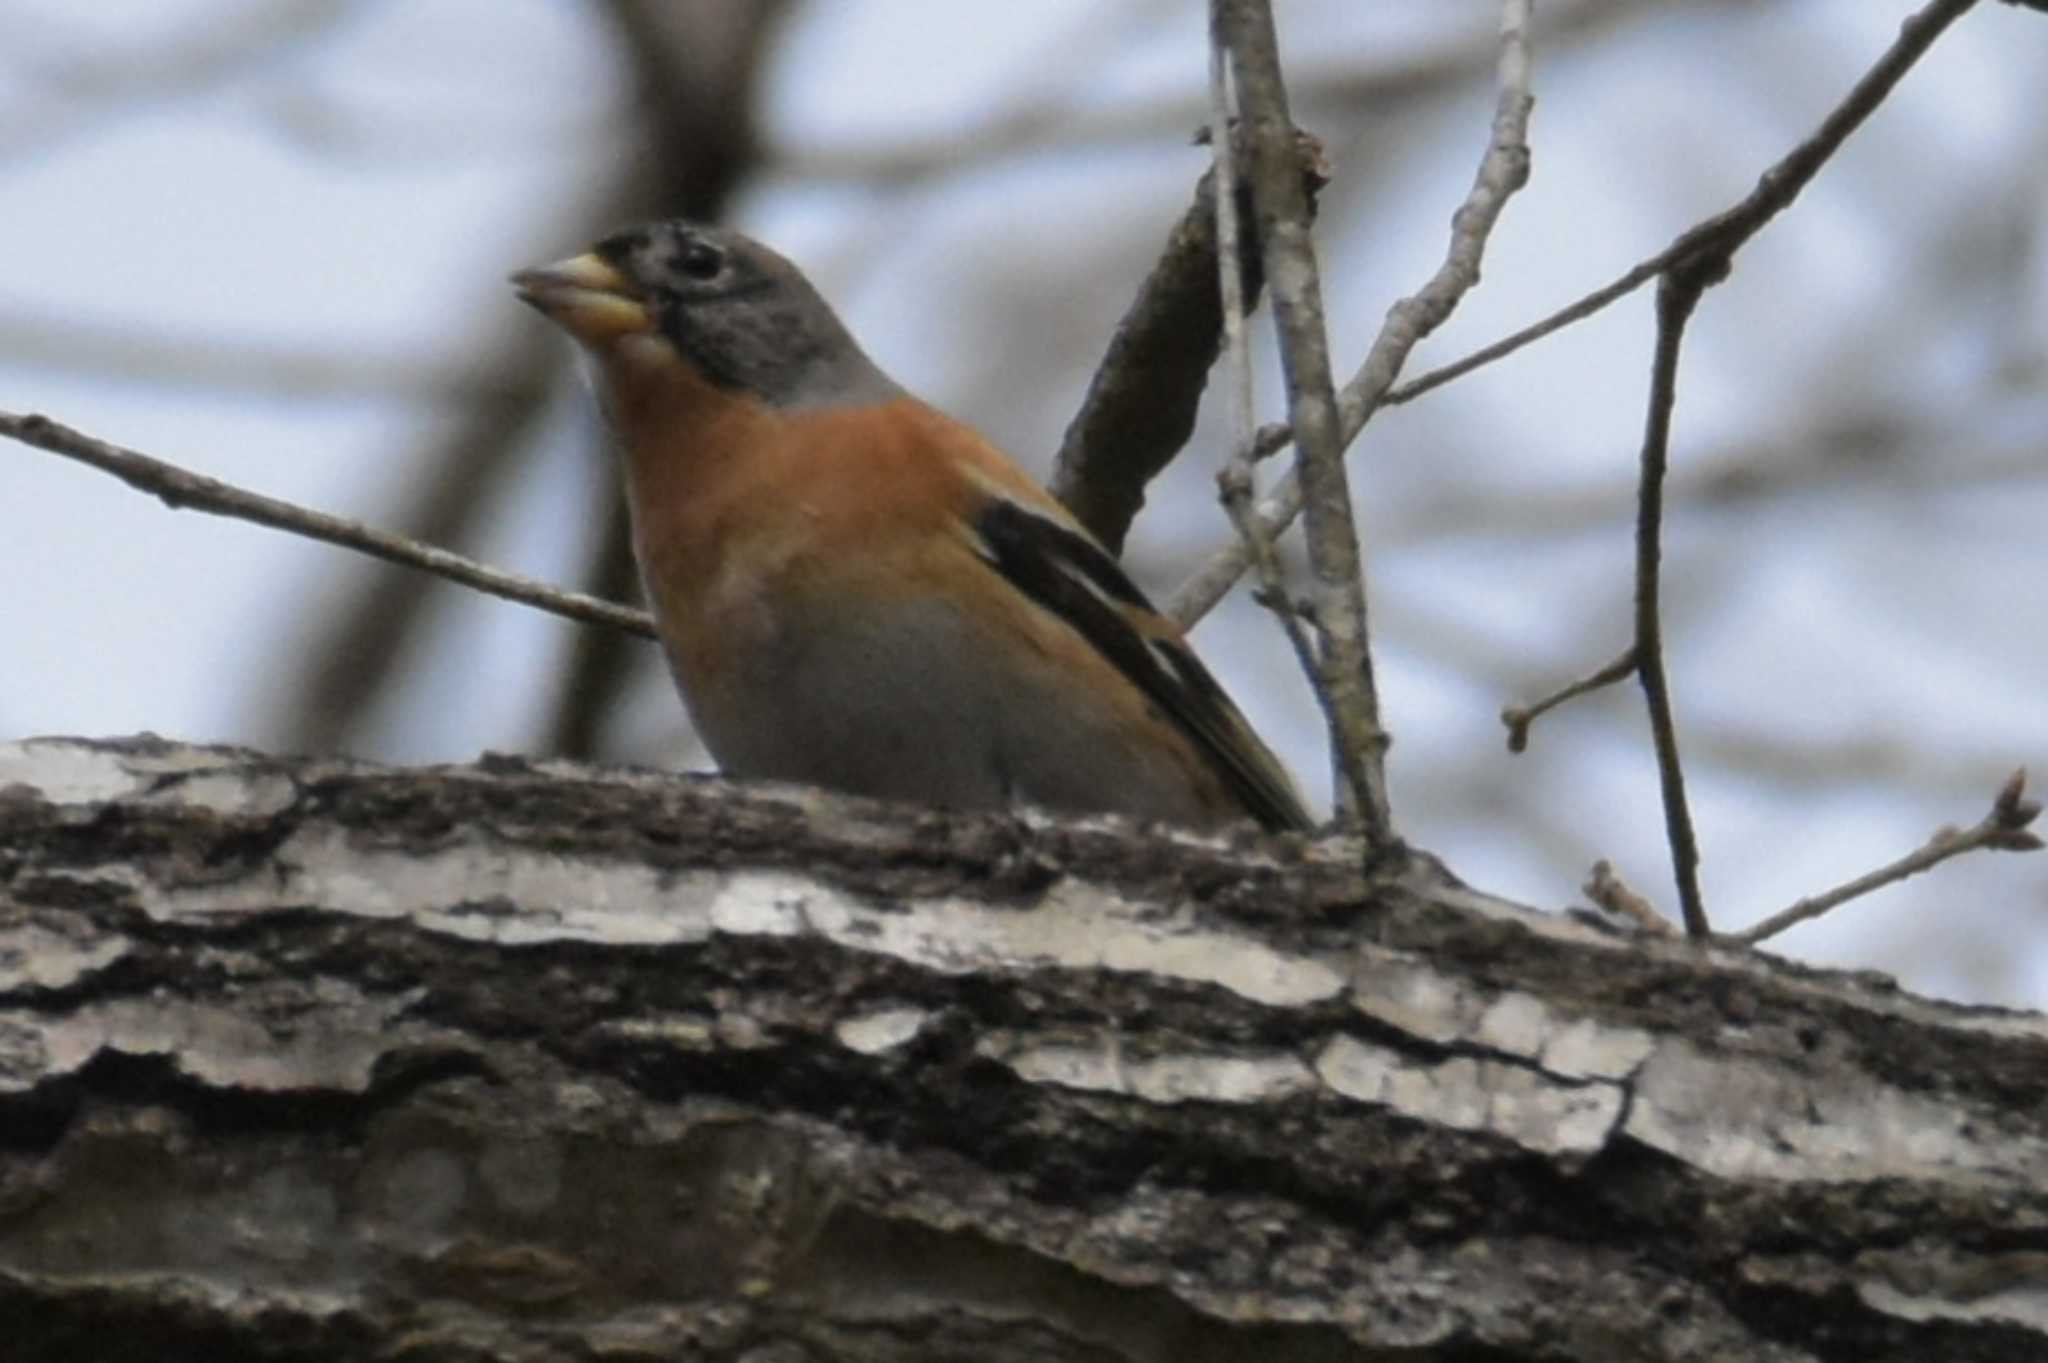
(856, 591)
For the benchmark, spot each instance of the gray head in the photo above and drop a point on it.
(738, 313)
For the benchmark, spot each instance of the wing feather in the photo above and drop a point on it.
(1073, 577)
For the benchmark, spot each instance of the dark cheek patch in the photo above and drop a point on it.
(757, 348)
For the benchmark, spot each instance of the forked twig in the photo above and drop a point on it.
(1775, 190)
(1502, 170)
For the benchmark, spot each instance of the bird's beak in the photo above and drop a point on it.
(586, 297)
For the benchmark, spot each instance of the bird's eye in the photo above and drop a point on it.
(701, 260)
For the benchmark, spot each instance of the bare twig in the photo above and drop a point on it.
(1708, 249)
(1606, 889)
(1344, 674)
(1676, 299)
(182, 489)
(1702, 258)
(1234, 278)
(1518, 718)
(1503, 170)
(1725, 232)
(2004, 829)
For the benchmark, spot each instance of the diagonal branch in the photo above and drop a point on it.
(1141, 404)
(2006, 828)
(181, 489)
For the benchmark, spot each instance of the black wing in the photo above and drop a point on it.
(1072, 576)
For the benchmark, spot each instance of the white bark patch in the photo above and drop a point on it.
(1173, 1078)
(66, 773)
(1074, 926)
(467, 889)
(1470, 1094)
(882, 1030)
(1728, 1116)
(2010, 1287)
(1407, 992)
(214, 1046)
(32, 957)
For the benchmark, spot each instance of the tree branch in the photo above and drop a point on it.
(181, 489)
(1676, 299)
(1502, 170)
(1697, 261)
(1233, 261)
(1343, 677)
(318, 1060)
(2007, 828)
(1141, 404)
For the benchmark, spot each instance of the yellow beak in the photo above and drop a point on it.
(586, 297)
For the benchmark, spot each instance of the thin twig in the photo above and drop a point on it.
(1675, 302)
(2004, 829)
(1725, 232)
(1344, 673)
(1705, 257)
(1234, 266)
(1518, 718)
(1502, 170)
(182, 489)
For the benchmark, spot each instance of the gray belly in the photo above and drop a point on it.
(917, 711)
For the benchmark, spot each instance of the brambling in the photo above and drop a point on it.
(855, 590)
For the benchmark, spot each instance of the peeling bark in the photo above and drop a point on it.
(313, 1059)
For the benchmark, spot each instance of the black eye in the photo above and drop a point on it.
(700, 260)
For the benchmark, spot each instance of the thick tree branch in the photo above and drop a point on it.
(318, 1060)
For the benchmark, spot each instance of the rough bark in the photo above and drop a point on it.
(311, 1060)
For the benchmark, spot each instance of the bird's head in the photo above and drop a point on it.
(739, 314)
